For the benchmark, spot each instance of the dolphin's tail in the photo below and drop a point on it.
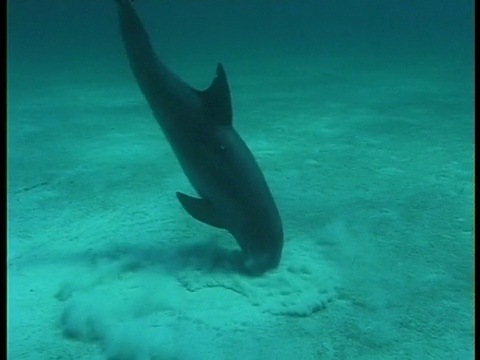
(123, 2)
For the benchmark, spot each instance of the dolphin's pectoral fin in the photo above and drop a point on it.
(217, 100)
(200, 209)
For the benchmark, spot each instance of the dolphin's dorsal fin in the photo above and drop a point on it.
(201, 210)
(217, 100)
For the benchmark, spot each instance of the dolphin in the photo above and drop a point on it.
(232, 191)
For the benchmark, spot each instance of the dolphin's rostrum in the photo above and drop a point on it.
(198, 125)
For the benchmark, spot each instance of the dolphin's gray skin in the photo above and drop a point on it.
(198, 124)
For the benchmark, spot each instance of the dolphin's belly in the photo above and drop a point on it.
(221, 168)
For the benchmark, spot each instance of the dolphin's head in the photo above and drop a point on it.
(257, 265)
(262, 251)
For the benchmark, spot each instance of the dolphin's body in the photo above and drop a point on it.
(198, 125)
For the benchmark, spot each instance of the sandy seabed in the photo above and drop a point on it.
(371, 167)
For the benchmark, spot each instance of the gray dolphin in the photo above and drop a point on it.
(198, 125)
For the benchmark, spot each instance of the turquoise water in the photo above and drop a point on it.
(360, 115)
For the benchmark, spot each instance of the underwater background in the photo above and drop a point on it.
(360, 114)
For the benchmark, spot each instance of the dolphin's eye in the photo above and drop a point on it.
(220, 148)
